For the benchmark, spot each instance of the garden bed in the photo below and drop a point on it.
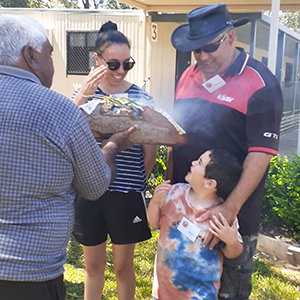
(279, 249)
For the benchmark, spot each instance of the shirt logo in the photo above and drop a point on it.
(137, 219)
(270, 135)
(224, 98)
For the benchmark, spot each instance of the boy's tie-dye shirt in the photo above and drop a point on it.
(183, 269)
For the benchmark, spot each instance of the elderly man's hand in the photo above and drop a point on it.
(121, 139)
(116, 143)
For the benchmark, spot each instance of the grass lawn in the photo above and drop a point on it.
(270, 282)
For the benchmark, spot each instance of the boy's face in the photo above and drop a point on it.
(196, 176)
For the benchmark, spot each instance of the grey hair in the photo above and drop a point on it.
(16, 32)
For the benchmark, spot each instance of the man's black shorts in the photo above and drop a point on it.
(46, 290)
(121, 215)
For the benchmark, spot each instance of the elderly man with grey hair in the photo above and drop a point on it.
(47, 154)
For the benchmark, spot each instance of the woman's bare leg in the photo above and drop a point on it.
(95, 261)
(123, 266)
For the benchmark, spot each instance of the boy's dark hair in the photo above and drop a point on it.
(226, 169)
(109, 35)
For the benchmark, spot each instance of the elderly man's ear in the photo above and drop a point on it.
(31, 58)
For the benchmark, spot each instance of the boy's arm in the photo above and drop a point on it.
(227, 234)
(153, 211)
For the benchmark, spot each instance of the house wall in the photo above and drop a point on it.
(154, 59)
(162, 66)
(58, 22)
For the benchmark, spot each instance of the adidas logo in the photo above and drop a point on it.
(136, 220)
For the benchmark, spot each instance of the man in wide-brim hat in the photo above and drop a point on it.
(209, 27)
(231, 101)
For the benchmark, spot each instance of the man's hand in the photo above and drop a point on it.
(212, 214)
(222, 230)
(116, 143)
(229, 235)
(121, 139)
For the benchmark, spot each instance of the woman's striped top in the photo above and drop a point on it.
(131, 174)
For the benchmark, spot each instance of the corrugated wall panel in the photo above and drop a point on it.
(156, 60)
(163, 61)
(59, 22)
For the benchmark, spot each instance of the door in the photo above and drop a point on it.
(183, 61)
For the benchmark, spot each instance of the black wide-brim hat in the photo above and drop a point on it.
(205, 24)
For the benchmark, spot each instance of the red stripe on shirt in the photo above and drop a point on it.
(263, 149)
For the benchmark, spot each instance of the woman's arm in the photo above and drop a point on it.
(150, 154)
(90, 84)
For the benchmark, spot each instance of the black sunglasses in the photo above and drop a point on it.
(211, 47)
(115, 65)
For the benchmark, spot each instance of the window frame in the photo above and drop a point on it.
(84, 65)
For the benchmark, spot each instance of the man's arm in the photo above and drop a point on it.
(116, 143)
(92, 167)
(254, 168)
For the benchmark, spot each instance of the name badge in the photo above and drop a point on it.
(213, 83)
(189, 229)
(90, 106)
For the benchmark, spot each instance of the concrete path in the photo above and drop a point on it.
(287, 142)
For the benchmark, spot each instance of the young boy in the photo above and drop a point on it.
(183, 269)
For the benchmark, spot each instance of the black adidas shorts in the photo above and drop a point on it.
(121, 215)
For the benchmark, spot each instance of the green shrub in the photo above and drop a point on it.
(159, 170)
(281, 206)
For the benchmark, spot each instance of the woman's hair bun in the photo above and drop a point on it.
(108, 26)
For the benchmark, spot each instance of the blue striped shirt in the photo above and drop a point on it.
(130, 167)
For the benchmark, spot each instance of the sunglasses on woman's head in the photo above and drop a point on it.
(211, 47)
(115, 65)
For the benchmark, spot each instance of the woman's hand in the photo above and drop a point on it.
(90, 84)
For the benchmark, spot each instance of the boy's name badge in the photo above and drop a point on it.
(213, 84)
(189, 229)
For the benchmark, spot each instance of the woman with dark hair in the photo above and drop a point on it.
(121, 211)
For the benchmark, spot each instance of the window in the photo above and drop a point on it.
(264, 60)
(80, 49)
(288, 72)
